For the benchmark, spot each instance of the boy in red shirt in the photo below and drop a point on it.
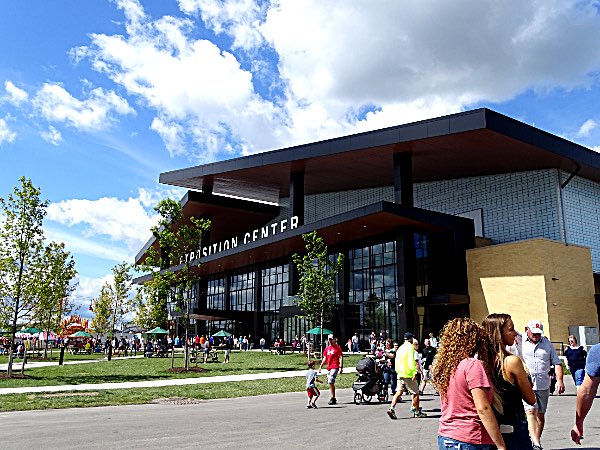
(334, 358)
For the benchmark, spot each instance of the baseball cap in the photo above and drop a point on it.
(535, 326)
(330, 336)
(408, 335)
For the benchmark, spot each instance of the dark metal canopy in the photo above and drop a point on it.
(473, 143)
(372, 220)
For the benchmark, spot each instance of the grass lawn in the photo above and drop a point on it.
(24, 402)
(154, 369)
(142, 369)
(55, 356)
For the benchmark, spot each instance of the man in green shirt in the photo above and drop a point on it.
(406, 369)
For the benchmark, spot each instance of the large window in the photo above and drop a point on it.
(242, 291)
(212, 326)
(215, 293)
(275, 281)
(373, 273)
(422, 264)
(373, 290)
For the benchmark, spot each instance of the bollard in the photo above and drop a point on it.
(62, 355)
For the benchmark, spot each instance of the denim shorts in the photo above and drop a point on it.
(578, 376)
(445, 443)
(332, 375)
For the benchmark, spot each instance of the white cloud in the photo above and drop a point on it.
(238, 18)
(85, 245)
(586, 128)
(302, 70)
(15, 95)
(52, 136)
(122, 221)
(6, 134)
(204, 100)
(96, 112)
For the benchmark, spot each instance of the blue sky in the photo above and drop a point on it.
(98, 97)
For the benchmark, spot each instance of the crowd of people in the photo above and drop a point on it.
(494, 382)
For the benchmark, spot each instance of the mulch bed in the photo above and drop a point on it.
(191, 369)
(15, 375)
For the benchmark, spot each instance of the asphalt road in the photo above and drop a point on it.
(270, 421)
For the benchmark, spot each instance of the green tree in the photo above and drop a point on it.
(21, 244)
(317, 274)
(113, 303)
(179, 241)
(54, 287)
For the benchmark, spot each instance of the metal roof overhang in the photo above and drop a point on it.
(362, 223)
(473, 143)
(224, 213)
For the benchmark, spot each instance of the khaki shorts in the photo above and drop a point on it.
(411, 385)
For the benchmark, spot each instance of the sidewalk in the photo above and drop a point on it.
(153, 383)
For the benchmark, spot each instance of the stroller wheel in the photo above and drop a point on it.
(383, 396)
(367, 398)
(357, 398)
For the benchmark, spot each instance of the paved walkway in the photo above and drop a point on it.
(263, 422)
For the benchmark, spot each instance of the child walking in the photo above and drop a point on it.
(312, 377)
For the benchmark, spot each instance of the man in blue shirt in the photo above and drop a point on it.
(587, 391)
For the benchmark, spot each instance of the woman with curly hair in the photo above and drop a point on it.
(511, 383)
(463, 381)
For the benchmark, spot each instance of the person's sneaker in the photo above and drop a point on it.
(333, 401)
(309, 406)
(392, 413)
(314, 405)
(537, 447)
(419, 413)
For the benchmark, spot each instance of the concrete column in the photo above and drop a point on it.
(403, 179)
(405, 266)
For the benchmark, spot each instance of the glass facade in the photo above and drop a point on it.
(212, 326)
(215, 293)
(422, 264)
(373, 290)
(370, 301)
(275, 285)
(241, 295)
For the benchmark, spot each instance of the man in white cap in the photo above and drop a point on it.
(334, 358)
(539, 355)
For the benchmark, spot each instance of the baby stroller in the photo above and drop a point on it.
(370, 381)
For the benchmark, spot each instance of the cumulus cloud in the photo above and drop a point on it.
(237, 18)
(586, 128)
(56, 104)
(52, 135)
(294, 71)
(6, 134)
(15, 95)
(124, 221)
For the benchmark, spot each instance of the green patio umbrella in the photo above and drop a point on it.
(317, 330)
(30, 330)
(157, 330)
(221, 333)
(81, 334)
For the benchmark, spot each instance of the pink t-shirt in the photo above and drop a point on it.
(333, 354)
(459, 419)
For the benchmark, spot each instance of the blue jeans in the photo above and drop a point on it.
(519, 438)
(578, 376)
(389, 377)
(452, 444)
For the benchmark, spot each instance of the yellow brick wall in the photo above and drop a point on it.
(534, 279)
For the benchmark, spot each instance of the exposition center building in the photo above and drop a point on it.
(461, 215)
